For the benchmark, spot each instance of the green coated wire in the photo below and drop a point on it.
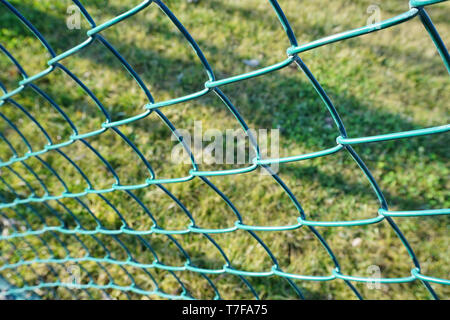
(36, 226)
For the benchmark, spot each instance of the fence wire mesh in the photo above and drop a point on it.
(30, 227)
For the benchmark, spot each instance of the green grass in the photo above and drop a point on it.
(389, 81)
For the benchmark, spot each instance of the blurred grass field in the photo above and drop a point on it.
(388, 81)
